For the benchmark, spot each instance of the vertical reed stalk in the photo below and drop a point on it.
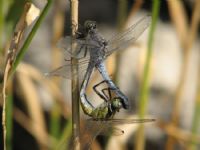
(75, 80)
(144, 92)
(9, 119)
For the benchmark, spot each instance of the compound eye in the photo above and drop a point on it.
(91, 25)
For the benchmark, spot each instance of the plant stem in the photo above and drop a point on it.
(196, 116)
(1, 24)
(55, 121)
(26, 44)
(140, 145)
(75, 80)
(9, 120)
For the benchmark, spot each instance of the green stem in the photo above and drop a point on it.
(1, 24)
(9, 121)
(26, 44)
(62, 145)
(55, 121)
(196, 117)
(144, 92)
(145, 81)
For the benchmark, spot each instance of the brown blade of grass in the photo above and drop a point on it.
(32, 102)
(29, 125)
(134, 9)
(58, 27)
(186, 42)
(51, 86)
(176, 10)
(179, 19)
(57, 57)
(26, 19)
(196, 115)
(177, 133)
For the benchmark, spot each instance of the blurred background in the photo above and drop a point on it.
(38, 108)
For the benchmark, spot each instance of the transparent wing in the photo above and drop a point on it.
(65, 45)
(128, 121)
(65, 70)
(106, 127)
(130, 35)
(82, 47)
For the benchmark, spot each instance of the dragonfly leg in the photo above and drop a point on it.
(109, 92)
(103, 96)
(78, 52)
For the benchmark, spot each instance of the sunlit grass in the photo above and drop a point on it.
(144, 90)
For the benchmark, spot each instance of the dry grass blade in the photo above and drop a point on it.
(186, 43)
(29, 15)
(58, 26)
(28, 125)
(176, 10)
(35, 75)
(179, 134)
(134, 9)
(32, 102)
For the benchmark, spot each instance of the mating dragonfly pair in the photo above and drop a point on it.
(91, 51)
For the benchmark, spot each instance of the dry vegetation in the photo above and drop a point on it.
(38, 106)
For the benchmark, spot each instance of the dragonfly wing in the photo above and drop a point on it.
(106, 127)
(65, 70)
(129, 121)
(130, 35)
(82, 47)
(91, 130)
(111, 130)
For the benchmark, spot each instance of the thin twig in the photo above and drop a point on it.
(75, 80)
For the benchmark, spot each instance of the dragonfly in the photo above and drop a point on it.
(91, 52)
(102, 117)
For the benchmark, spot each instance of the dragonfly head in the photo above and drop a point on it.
(90, 25)
(116, 104)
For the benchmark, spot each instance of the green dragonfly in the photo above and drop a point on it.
(102, 116)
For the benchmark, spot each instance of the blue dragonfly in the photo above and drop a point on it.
(91, 51)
